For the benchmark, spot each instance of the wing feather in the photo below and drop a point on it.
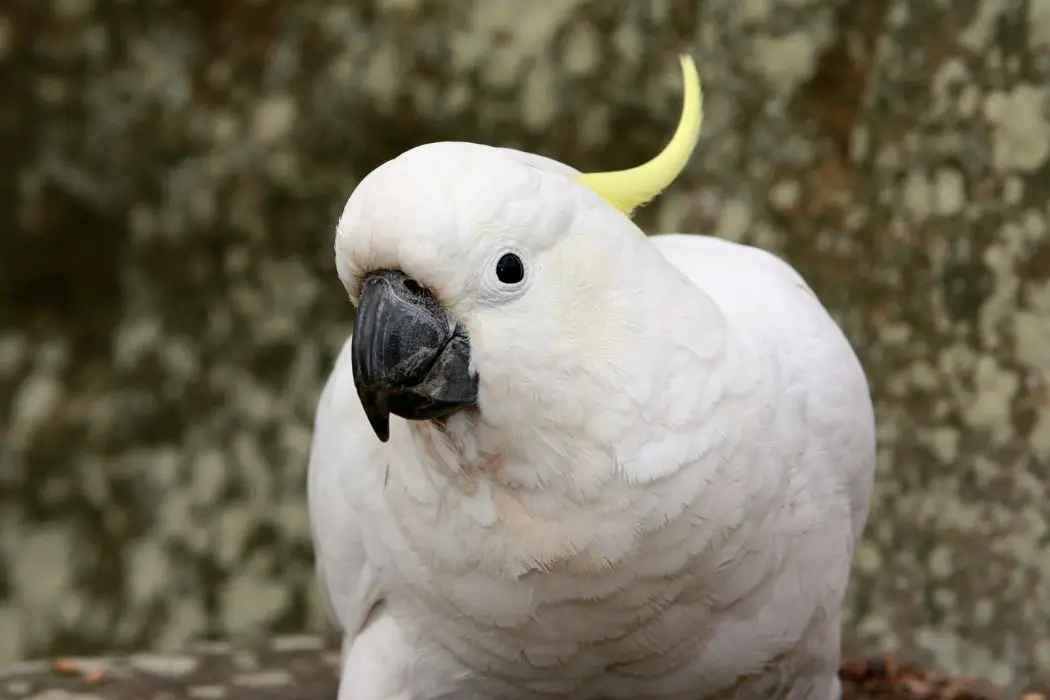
(822, 375)
(344, 461)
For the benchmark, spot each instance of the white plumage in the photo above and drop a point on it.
(657, 491)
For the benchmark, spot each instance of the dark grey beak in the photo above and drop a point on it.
(410, 356)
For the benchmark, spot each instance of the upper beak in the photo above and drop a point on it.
(410, 356)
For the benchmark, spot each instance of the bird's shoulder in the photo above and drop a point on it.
(811, 375)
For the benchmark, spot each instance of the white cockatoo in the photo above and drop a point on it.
(559, 459)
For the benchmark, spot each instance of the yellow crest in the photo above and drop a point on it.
(629, 189)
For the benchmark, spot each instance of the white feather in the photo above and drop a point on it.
(661, 493)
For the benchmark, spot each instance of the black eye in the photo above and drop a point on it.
(510, 269)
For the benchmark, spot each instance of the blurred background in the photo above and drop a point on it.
(171, 177)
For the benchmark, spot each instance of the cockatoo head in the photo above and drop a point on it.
(487, 278)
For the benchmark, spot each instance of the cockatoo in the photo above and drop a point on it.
(560, 459)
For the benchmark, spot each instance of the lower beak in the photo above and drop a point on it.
(410, 356)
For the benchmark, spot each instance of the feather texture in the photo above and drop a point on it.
(659, 495)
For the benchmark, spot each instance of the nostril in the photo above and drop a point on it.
(412, 287)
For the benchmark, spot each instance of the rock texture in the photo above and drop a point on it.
(169, 308)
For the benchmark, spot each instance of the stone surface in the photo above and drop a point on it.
(287, 668)
(169, 308)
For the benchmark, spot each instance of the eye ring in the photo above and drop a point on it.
(510, 269)
(507, 275)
